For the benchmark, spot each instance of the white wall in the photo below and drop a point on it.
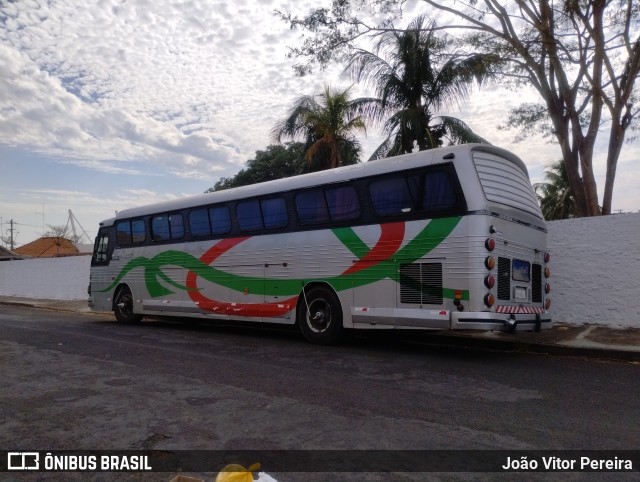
(46, 278)
(595, 272)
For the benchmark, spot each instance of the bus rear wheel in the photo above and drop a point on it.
(123, 307)
(320, 316)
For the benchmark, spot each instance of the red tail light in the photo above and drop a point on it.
(489, 281)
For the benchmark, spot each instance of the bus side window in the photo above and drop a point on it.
(167, 226)
(343, 203)
(390, 197)
(249, 216)
(176, 224)
(311, 207)
(274, 212)
(138, 232)
(160, 228)
(199, 222)
(220, 220)
(131, 232)
(123, 233)
(439, 194)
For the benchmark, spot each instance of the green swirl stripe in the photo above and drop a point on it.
(431, 236)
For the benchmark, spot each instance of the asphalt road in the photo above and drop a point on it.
(81, 381)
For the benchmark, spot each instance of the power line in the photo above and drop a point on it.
(28, 225)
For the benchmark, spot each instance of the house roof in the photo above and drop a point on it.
(48, 247)
(8, 254)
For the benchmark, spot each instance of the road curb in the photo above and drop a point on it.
(520, 346)
(499, 343)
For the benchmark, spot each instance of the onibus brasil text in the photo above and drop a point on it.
(112, 463)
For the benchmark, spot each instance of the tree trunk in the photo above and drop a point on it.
(590, 186)
(571, 160)
(616, 139)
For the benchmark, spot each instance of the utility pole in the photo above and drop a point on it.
(11, 231)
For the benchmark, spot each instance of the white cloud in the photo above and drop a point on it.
(170, 83)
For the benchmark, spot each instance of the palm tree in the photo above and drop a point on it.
(418, 79)
(554, 194)
(327, 123)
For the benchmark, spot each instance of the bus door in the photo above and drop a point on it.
(278, 302)
(101, 273)
(247, 288)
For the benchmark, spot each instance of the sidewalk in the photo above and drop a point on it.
(598, 341)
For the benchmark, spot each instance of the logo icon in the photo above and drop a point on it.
(23, 461)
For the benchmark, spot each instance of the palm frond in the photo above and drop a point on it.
(458, 132)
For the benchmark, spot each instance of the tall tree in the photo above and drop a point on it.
(275, 162)
(554, 195)
(327, 123)
(581, 56)
(414, 78)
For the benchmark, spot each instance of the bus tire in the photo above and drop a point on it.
(320, 316)
(123, 307)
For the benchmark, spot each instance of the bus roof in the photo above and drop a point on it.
(462, 153)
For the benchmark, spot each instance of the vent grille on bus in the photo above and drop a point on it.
(504, 279)
(536, 283)
(421, 283)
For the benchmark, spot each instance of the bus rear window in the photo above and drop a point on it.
(504, 182)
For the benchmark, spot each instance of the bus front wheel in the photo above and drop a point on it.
(320, 316)
(123, 307)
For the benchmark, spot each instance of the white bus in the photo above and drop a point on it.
(449, 238)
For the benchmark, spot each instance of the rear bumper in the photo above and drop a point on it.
(500, 321)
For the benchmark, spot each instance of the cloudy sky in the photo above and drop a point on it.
(110, 104)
